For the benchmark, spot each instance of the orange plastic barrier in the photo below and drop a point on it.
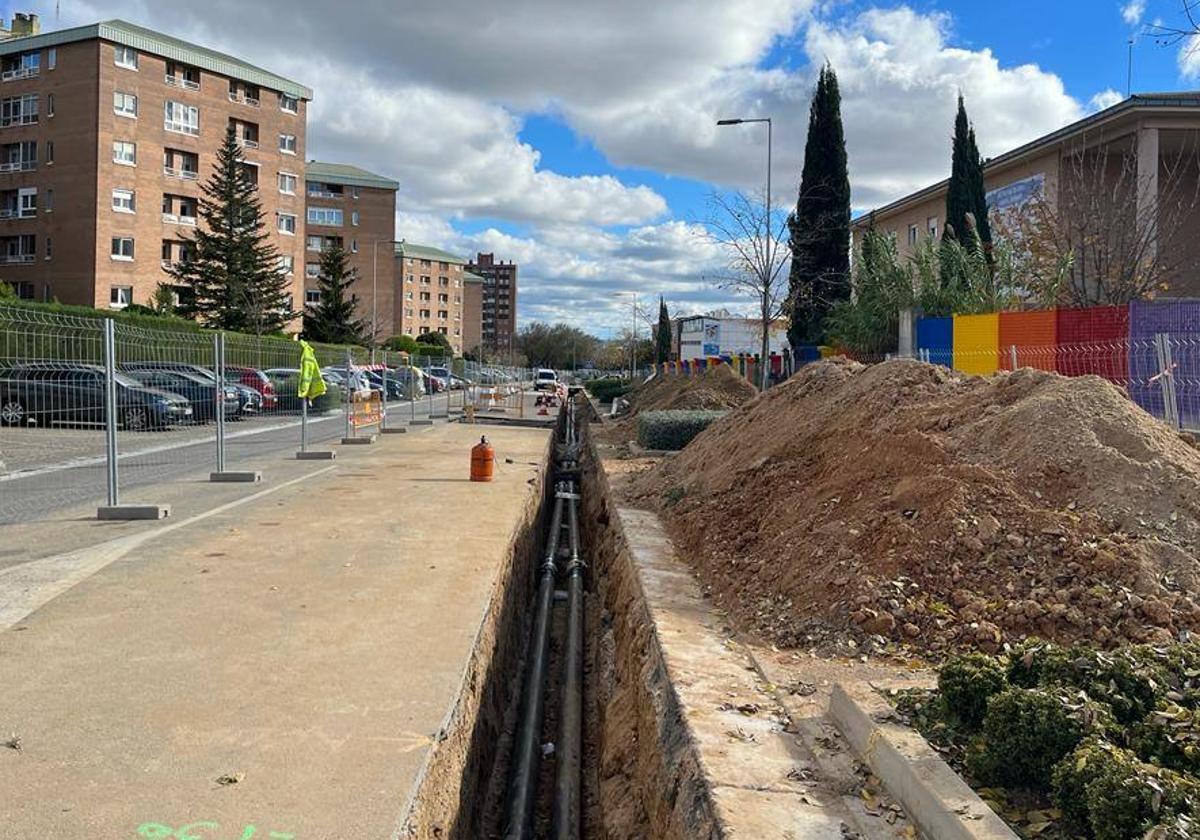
(1034, 334)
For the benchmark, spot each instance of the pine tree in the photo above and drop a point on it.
(819, 228)
(662, 336)
(966, 192)
(231, 269)
(332, 319)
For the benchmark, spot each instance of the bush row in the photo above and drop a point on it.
(1111, 737)
(673, 430)
(609, 388)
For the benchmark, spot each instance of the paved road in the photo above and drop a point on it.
(50, 470)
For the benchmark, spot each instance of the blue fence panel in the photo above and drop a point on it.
(1179, 318)
(936, 335)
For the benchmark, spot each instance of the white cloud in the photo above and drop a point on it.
(1189, 58)
(1105, 99)
(1133, 11)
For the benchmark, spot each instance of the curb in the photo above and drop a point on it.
(933, 795)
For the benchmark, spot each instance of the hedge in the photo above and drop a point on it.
(673, 430)
(609, 388)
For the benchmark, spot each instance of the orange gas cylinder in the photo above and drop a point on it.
(483, 460)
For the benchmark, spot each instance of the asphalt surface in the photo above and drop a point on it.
(50, 470)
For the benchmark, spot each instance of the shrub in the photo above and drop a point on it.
(607, 389)
(1170, 737)
(1027, 731)
(1126, 798)
(673, 430)
(1072, 775)
(966, 684)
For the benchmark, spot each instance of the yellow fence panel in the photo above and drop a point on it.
(976, 343)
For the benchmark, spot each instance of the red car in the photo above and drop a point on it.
(257, 380)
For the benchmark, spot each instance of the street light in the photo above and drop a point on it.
(375, 287)
(765, 363)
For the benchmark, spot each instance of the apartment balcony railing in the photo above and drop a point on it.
(20, 119)
(323, 194)
(247, 143)
(244, 99)
(177, 219)
(182, 128)
(20, 73)
(185, 174)
(167, 265)
(186, 84)
(16, 259)
(19, 166)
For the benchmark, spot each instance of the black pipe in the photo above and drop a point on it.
(570, 738)
(525, 755)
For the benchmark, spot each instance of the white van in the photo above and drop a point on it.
(545, 380)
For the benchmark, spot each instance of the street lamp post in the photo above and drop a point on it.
(766, 290)
(375, 286)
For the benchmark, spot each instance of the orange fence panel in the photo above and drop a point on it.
(1034, 334)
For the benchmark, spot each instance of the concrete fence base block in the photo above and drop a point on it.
(358, 441)
(316, 455)
(236, 477)
(397, 430)
(934, 796)
(129, 512)
(420, 422)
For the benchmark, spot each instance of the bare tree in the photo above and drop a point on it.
(752, 237)
(1119, 238)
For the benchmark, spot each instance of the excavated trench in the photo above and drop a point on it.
(639, 773)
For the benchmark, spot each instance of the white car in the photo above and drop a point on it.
(545, 380)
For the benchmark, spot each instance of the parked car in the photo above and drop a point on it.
(459, 384)
(249, 402)
(46, 393)
(286, 382)
(545, 380)
(411, 379)
(200, 392)
(395, 388)
(258, 380)
(432, 383)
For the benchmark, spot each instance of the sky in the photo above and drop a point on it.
(579, 139)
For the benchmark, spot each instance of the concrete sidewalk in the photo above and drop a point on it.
(276, 670)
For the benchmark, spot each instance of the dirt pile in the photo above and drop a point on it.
(714, 389)
(905, 502)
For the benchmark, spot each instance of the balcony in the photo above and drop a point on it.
(244, 99)
(185, 174)
(176, 219)
(186, 84)
(323, 194)
(182, 128)
(19, 73)
(16, 259)
(247, 143)
(18, 166)
(167, 265)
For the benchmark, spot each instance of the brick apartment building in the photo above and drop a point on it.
(499, 304)
(106, 133)
(432, 292)
(355, 209)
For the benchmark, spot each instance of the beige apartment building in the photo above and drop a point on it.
(107, 132)
(355, 209)
(1149, 145)
(432, 292)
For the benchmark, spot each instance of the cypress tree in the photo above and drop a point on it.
(819, 228)
(231, 269)
(966, 192)
(662, 336)
(332, 319)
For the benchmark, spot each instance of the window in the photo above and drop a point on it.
(49, 248)
(312, 243)
(120, 296)
(312, 270)
(124, 104)
(312, 296)
(354, 192)
(287, 143)
(125, 153)
(913, 234)
(23, 290)
(931, 224)
(49, 152)
(408, 296)
(27, 202)
(49, 202)
(122, 248)
(125, 57)
(331, 216)
(287, 183)
(182, 119)
(287, 264)
(19, 110)
(50, 105)
(354, 218)
(353, 246)
(286, 223)
(123, 201)
(288, 103)
(52, 58)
